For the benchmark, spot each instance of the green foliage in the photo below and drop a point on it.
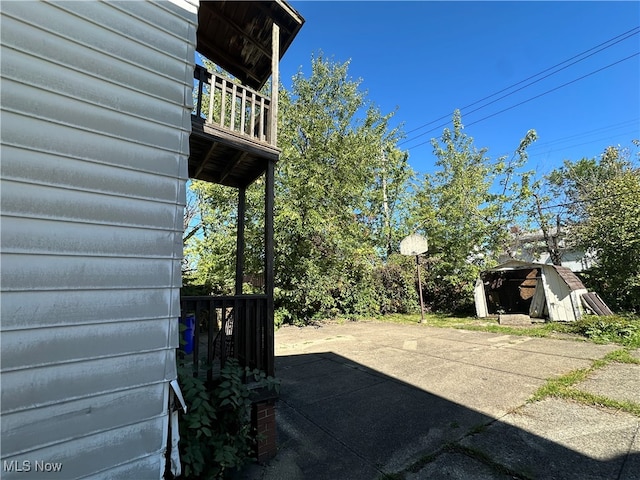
(344, 201)
(603, 201)
(395, 284)
(216, 248)
(215, 433)
(454, 212)
(332, 222)
(612, 231)
(616, 329)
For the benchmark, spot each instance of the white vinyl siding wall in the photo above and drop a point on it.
(96, 116)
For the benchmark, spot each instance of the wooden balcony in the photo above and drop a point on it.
(233, 131)
(229, 327)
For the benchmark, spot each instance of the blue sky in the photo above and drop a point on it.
(425, 59)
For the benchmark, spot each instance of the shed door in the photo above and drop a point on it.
(480, 299)
(536, 310)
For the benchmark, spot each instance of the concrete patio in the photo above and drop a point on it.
(370, 400)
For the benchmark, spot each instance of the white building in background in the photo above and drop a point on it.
(531, 247)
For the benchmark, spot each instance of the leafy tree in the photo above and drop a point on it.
(453, 210)
(334, 150)
(602, 200)
(388, 198)
(612, 231)
(467, 222)
(215, 249)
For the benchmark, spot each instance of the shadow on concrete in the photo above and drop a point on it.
(338, 419)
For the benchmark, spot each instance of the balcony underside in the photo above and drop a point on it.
(225, 157)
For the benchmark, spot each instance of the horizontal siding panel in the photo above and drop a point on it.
(147, 468)
(176, 14)
(85, 174)
(18, 131)
(96, 120)
(48, 385)
(38, 201)
(87, 88)
(29, 236)
(89, 455)
(146, 37)
(32, 310)
(66, 421)
(49, 272)
(43, 346)
(78, 113)
(42, 43)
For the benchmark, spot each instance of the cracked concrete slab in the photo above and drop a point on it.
(361, 400)
(618, 381)
(560, 439)
(456, 466)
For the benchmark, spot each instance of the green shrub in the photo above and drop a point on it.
(396, 287)
(616, 329)
(215, 433)
(281, 316)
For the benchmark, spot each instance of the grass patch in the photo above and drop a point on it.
(490, 325)
(622, 330)
(431, 319)
(562, 387)
(600, 401)
(558, 387)
(621, 356)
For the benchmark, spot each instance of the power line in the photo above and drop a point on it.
(626, 35)
(587, 200)
(530, 99)
(557, 88)
(539, 146)
(594, 140)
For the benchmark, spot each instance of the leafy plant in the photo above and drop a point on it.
(215, 433)
(617, 329)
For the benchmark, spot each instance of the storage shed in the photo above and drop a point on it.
(535, 289)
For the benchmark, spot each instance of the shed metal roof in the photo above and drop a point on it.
(570, 278)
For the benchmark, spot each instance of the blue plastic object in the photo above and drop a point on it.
(188, 334)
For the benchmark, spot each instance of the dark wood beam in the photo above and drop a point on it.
(222, 58)
(238, 29)
(238, 157)
(269, 195)
(242, 202)
(206, 159)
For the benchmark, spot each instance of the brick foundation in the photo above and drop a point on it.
(263, 421)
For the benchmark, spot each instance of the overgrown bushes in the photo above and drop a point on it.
(359, 289)
(617, 329)
(215, 433)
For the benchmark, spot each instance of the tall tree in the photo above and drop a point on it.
(388, 199)
(466, 209)
(214, 247)
(453, 210)
(602, 200)
(332, 138)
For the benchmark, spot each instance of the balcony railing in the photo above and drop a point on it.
(228, 327)
(232, 107)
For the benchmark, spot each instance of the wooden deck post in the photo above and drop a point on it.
(268, 264)
(242, 203)
(275, 73)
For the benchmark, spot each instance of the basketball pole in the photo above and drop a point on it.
(420, 289)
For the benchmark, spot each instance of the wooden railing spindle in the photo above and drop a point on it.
(225, 98)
